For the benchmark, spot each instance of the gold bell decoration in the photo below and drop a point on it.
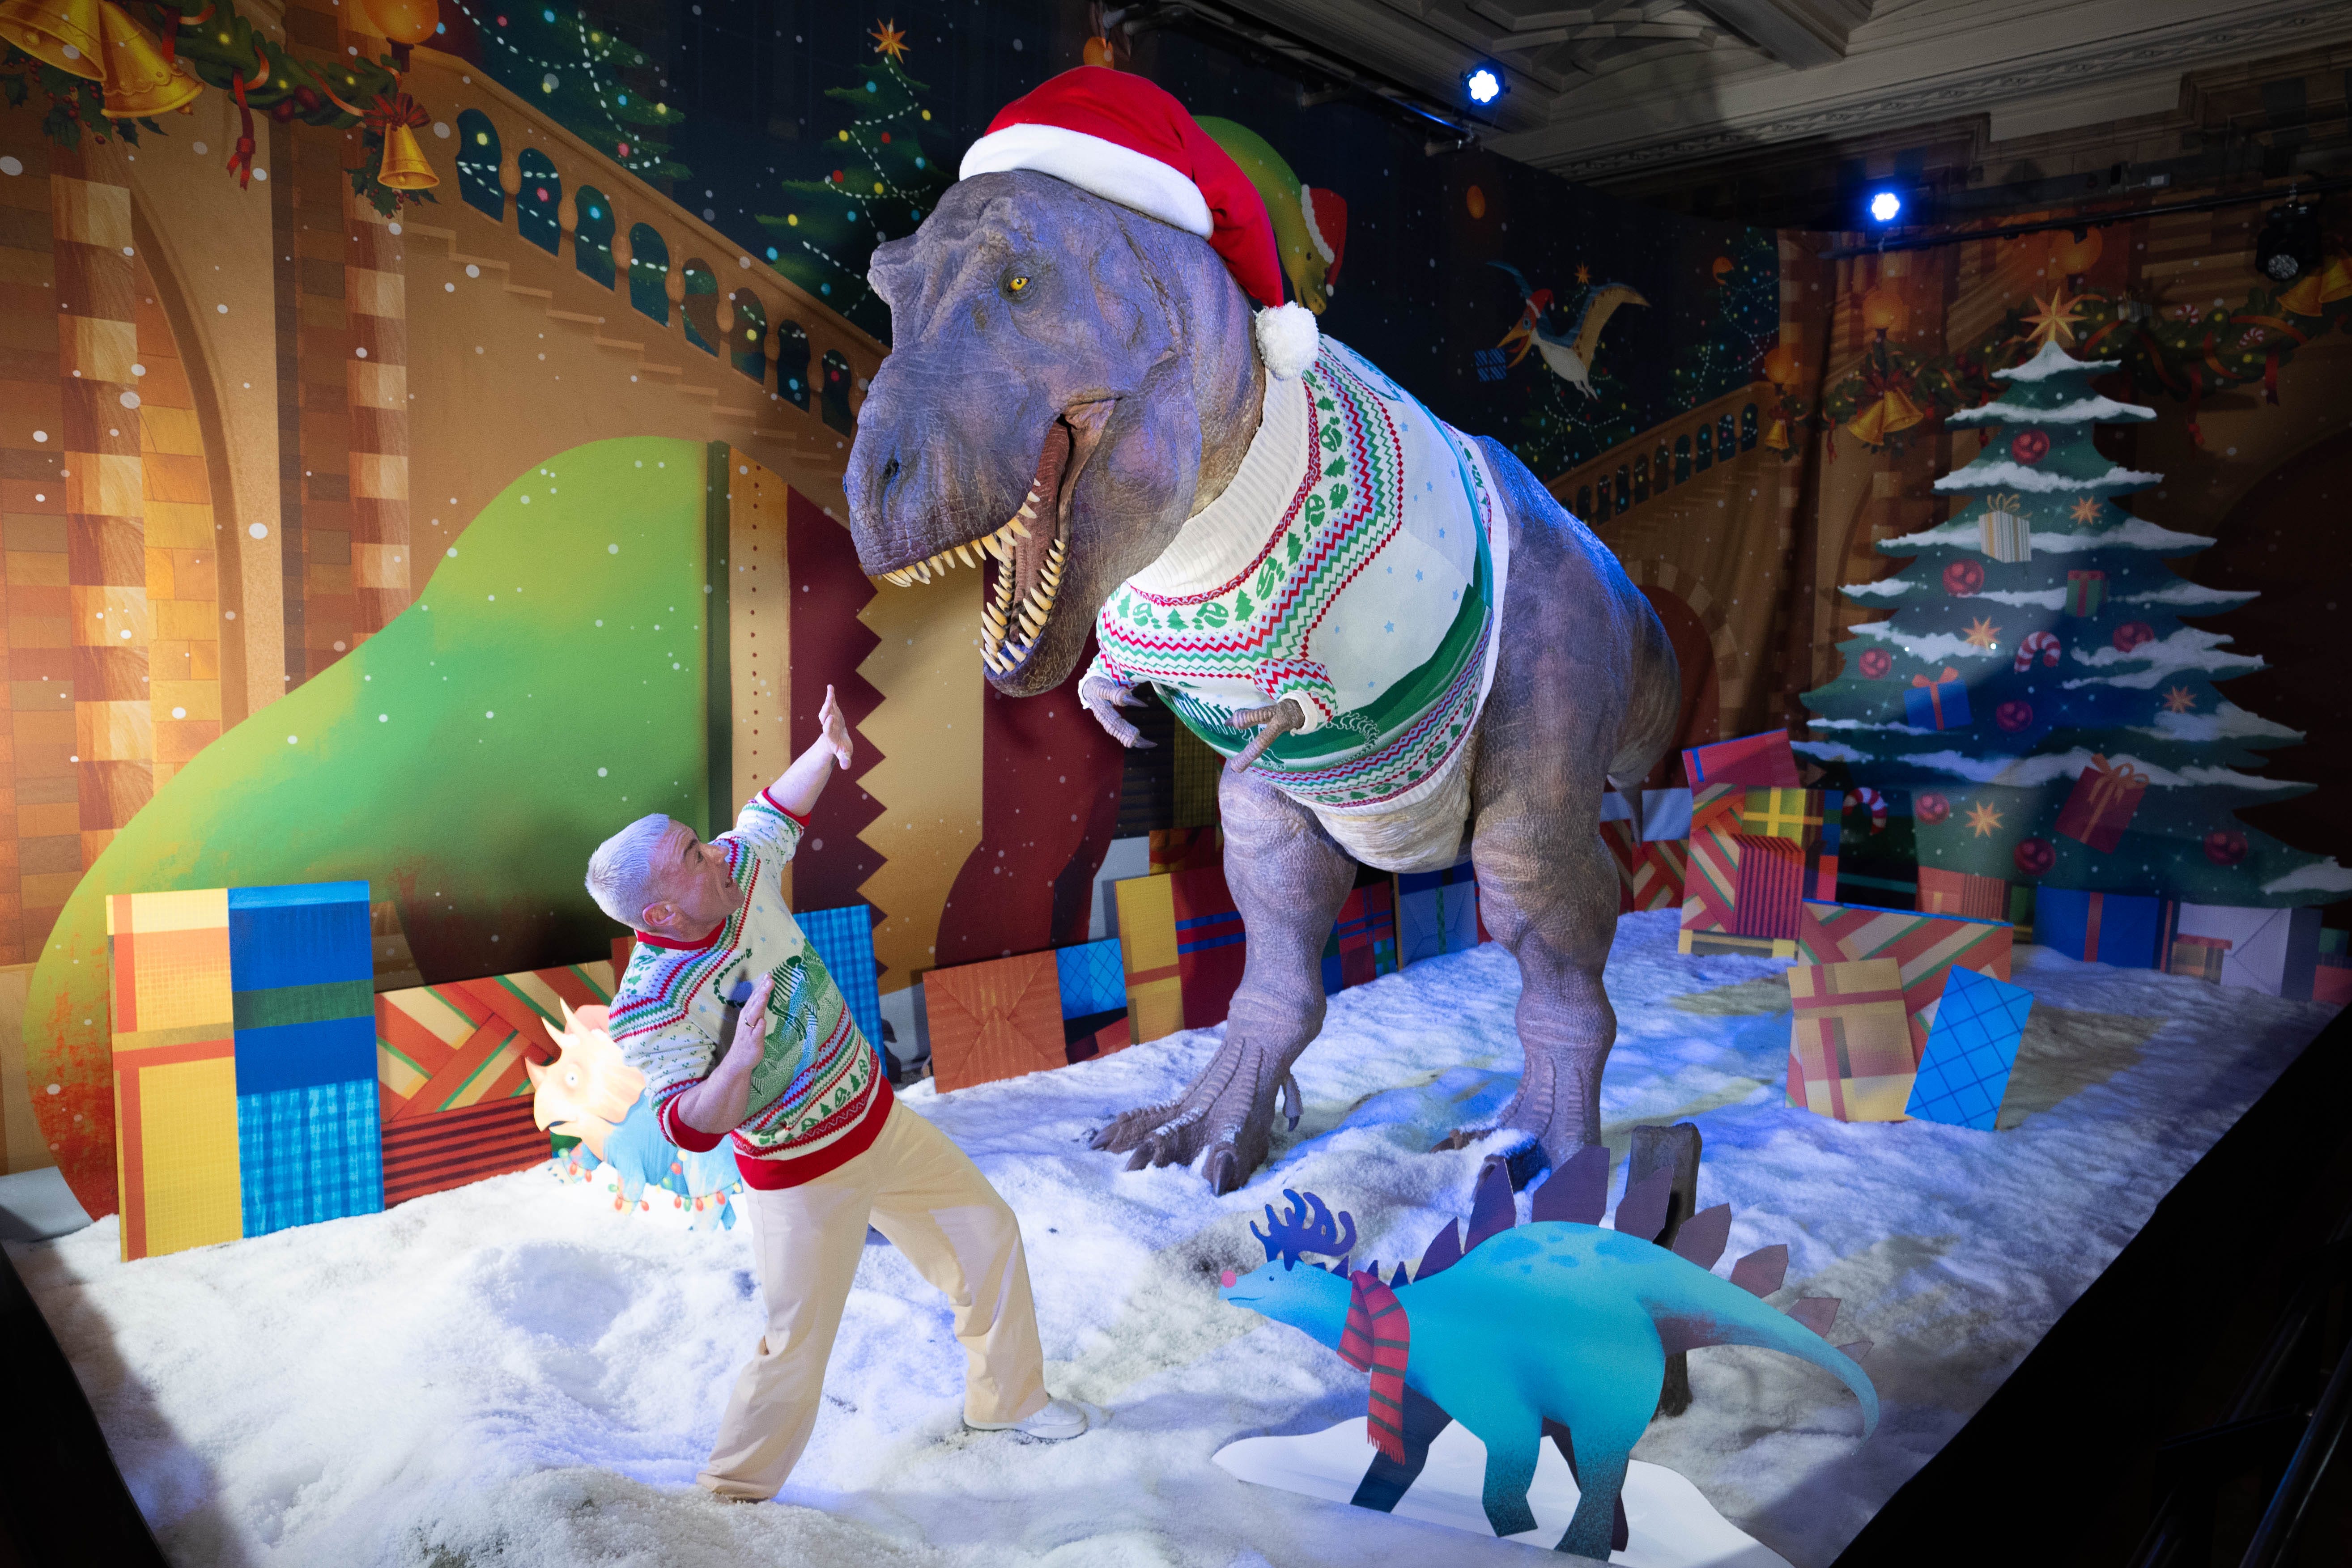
(1776, 436)
(396, 120)
(67, 34)
(1894, 411)
(141, 78)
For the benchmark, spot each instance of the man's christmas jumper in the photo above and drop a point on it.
(1355, 565)
(818, 1094)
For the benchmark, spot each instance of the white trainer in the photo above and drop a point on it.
(1060, 1419)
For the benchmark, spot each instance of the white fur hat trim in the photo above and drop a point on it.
(1288, 341)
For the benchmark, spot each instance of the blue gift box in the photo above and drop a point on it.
(2121, 928)
(1942, 705)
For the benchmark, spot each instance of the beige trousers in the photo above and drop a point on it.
(927, 1196)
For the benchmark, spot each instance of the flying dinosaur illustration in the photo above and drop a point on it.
(1569, 355)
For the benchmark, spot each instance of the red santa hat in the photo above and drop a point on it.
(1119, 137)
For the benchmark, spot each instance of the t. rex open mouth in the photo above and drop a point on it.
(1029, 551)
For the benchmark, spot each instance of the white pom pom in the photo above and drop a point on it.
(1288, 341)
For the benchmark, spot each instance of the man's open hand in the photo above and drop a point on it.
(834, 729)
(751, 1028)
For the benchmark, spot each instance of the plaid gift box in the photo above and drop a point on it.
(1850, 1053)
(2104, 798)
(1965, 1070)
(1764, 760)
(1094, 999)
(1926, 950)
(2086, 592)
(1943, 892)
(1941, 703)
(2121, 928)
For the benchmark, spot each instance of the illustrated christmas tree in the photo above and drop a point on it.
(2035, 691)
(588, 79)
(882, 184)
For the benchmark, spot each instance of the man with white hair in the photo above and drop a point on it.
(823, 1147)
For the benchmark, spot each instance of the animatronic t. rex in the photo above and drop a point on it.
(1280, 540)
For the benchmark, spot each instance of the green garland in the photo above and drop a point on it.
(2184, 352)
(220, 46)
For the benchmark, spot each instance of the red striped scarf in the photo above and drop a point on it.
(1377, 1340)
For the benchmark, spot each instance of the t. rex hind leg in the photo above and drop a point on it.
(1288, 879)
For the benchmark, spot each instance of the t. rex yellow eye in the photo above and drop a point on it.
(1014, 284)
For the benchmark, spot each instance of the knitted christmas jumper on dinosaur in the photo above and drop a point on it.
(818, 1095)
(1355, 563)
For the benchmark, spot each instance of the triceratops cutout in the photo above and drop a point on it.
(587, 1090)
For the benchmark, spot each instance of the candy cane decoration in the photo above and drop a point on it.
(1877, 805)
(2042, 643)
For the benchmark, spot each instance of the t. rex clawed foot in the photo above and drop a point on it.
(1224, 1121)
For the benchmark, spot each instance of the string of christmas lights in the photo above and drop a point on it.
(625, 122)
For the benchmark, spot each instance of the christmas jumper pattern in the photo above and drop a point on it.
(818, 1094)
(1354, 565)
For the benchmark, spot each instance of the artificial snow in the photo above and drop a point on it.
(2003, 474)
(1931, 648)
(2132, 534)
(2052, 361)
(512, 1374)
(2187, 593)
(2228, 722)
(2094, 408)
(2183, 648)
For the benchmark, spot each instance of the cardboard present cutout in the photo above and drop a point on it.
(1926, 949)
(995, 1020)
(1437, 912)
(2120, 929)
(1765, 760)
(453, 1065)
(1971, 1051)
(1849, 1055)
(1755, 853)
(1475, 1334)
(243, 1055)
(1363, 942)
(1094, 999)
(2274, 951)
(1965, 893)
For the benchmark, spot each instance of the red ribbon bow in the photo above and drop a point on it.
(398, 109)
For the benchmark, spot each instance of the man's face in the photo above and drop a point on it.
(693, 884)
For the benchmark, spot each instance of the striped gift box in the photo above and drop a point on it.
(1755, 853)
(1926, 949)
(1765, 759)
(1964, 893)
(450, 1073)
(1649, 873)
(997, 1019)
(1850, 1053)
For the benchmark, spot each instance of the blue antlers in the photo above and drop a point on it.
(1307, 1227)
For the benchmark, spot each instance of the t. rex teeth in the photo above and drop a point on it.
(991, 620)
(1029, 510)
(1016, 526)
(995, 545)
(899, 578)
(923, 570)
(1032, 618)
(963, 553)
(942, 564)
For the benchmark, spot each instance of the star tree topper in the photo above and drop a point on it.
(2055, 322)
(890, 40)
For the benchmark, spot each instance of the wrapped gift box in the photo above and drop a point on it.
(843, 939)
(1437, 912)
(1964, 1072)
(1649, 873)
(2331, 982)
(1850, 1043)
(1182, 943)
(1926, 949)
(2102, 803)
(2086, 592)
(1943, 892)
(1665, 813)
(1094, 999)
(997, 1019)
(1755, 853)
(1764, 760)
(2120, 929)
(2272, 950)
(1941, 703)
(2004, 533)
(1363, 942)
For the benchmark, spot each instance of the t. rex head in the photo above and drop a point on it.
(1062, 370)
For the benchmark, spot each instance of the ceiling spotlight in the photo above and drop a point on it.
(1885, 206)
(1482, 85)
(2290, 243)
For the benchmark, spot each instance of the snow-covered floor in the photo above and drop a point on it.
(512, 1375)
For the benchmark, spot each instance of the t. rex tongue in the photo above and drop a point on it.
(1377, 1340)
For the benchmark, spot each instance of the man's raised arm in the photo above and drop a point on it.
(799, 785)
